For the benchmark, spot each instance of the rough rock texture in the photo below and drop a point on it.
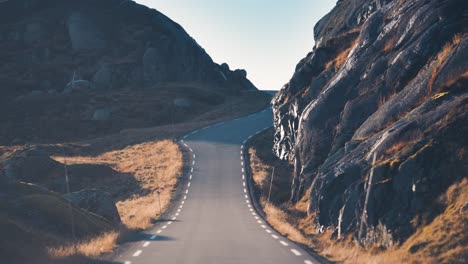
(97, 202)
(385, 78)
(112, 43)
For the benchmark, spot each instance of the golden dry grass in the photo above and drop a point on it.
(441, 57)
(155, 165)
(90, 248)
(341, 58)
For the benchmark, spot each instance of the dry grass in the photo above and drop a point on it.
(341, 58)
(90, 248)
(441, 57)
(156, 167)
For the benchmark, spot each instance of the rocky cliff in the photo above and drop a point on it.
(50, 46)
(385, 79)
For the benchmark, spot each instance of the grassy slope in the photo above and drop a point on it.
(443, 240)
(144, 161)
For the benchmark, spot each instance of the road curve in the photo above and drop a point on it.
(214, 221)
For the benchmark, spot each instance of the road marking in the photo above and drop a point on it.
(174, 218)
(242, 152)
(137, 253)
(254, 214)
(308, 261)
(284, 243)
(256, 217)
(242, 169)
(146, 244)
(164, 227)
(159, 232)
(186, 191)
(248, 205)
(190, 149)
(188, 185)
(242, 158)
(191, 176)
(259, 221)
(181, 206)
(182, 141)
(247, 201)
(243, 176)
(245, 190)
(242, 147)
(263, 226)
(185, 197)
(177, 214)
(194, 156)
(193, 162)
(153, 237)
(191, 170)
(251, 210)
(274, 236)
(246, 197)
(243, 184)
(268, 231)
(127, 262)
(169, 223)
(295, 252)
(183, 201)
(242, 163)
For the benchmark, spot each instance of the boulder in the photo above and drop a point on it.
(31, 165)
(97, 202)
(84, 33)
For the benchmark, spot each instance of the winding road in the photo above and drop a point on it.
(214, 220)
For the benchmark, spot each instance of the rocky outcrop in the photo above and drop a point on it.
(113, 44)
(385, 78)
(84, 33)
(97, 202)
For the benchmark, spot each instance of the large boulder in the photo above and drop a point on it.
(97, 202)
(31, 165)
(84, 33)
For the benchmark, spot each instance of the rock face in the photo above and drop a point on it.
(84, 34)
(113, 43)
(97, 202)
(385, 78)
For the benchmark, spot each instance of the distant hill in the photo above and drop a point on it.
(87, 67)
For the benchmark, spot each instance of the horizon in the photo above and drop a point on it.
(279, 44)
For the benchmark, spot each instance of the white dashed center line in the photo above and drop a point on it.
(295, 252)
(275, 236)
(284, 243)
(308, 262)
(137, 253)
(146, 244)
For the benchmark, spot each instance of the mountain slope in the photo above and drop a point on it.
(385, 79)
(93, 67)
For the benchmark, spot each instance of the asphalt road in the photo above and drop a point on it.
(214, 221)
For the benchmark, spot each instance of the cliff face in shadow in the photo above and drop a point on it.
(385, 79)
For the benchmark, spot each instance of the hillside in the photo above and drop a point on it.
(385, 80)
(90, 68)
(94, 96)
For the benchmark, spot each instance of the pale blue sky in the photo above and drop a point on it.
(265, 37)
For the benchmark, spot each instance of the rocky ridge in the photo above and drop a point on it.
(385, 79)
